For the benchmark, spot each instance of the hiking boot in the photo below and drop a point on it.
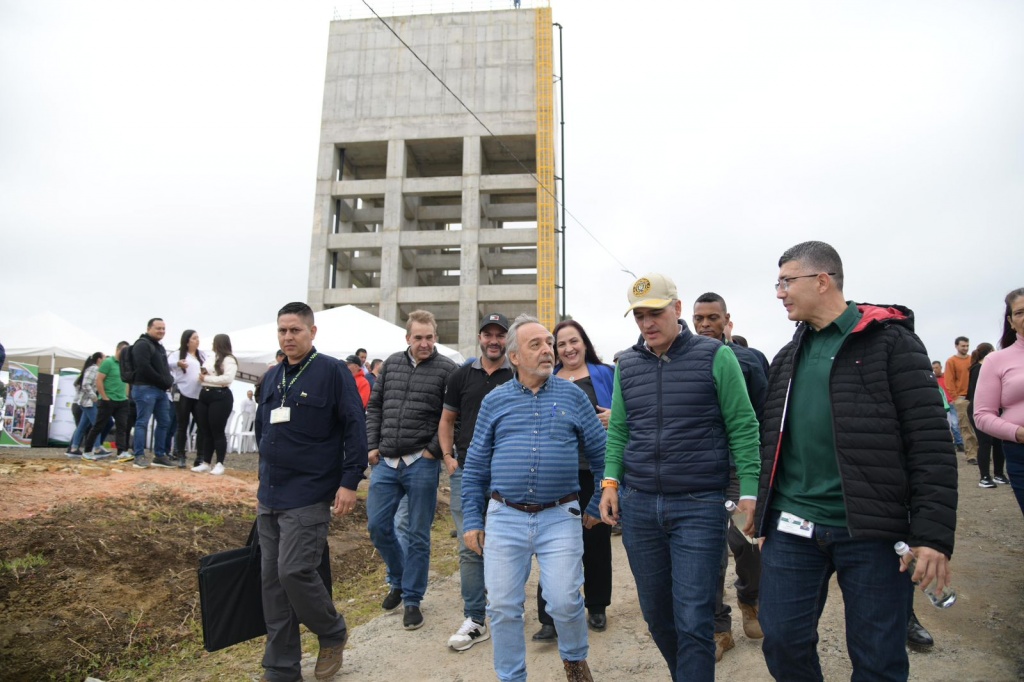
(751, 626)
(124, 458)
(328, 661)
(577, 671)
(985, 482)
(1001, 480)
(917, 635)
(723, 642)
(392, 600)
(163, 462)
(545, 634)
(413, 619)
(218, 469)
(140, 463)
(201, 468)
(469, 634)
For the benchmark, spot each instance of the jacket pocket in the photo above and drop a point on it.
(310, 415)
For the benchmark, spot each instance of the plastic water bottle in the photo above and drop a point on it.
(739, 519)
(941, 600)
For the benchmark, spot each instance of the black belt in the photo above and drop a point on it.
(534, 508)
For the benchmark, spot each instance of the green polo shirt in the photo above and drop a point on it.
(808, 482)
(112, 383)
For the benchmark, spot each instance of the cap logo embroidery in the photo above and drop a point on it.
(641, 286)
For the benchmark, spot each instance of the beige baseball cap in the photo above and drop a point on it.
(653, 290)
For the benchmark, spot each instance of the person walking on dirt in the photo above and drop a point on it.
(856, 457)
(467, 387)
(958, 379)
(401, 427)
(525, 451)
(311, 437)
(680, 412)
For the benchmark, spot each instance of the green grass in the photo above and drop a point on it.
(21, 566)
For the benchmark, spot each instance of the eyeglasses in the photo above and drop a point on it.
(785, 282)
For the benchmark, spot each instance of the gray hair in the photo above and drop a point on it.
(512, 337)
(819, 256)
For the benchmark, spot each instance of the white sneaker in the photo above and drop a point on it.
(469, 634)
(218, 469)
(202, 468)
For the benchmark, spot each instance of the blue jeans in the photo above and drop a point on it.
(512, 538)
(954, 426)
(418, 481)
(84, 424)
(471, 564)
(1014, 454)
(402, 531)
(795, 574)
(150, 401)
(674, 545)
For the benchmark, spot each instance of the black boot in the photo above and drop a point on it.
(916, 634)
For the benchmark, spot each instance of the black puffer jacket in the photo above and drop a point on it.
(405, 405)
(895, 455)
(150, 361)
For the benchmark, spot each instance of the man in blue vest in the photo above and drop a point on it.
(679, 407)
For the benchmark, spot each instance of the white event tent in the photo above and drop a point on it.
(340, 331)
(50, 342)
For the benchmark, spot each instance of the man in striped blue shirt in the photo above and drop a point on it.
(525, 457)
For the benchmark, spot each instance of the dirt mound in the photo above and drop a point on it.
(104, 582)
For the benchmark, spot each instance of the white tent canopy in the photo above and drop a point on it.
(51, 342)
(340, 331)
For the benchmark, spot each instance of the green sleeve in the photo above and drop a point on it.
(740, 420)
(618, 434)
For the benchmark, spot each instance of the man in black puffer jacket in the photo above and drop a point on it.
(149, 392)
(855, 457)
(401, 429)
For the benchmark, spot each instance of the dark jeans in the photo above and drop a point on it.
(748, 566)
(989, 448)
(1014, 453)
(292, 542)
(185, 408)
(105, 410)
(674, 545)
(597, 560)
(212, 415)
(795, 574)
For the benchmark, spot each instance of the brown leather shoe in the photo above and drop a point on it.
(577, 671)
(723, 642)
(328, 661)
(751, 626)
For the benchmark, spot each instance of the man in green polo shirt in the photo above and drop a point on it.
(855, 457)
(113, 403)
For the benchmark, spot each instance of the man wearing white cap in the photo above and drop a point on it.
(679, 407)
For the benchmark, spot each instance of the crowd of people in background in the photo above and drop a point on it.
(690, 442)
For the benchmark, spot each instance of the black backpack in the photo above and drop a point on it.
(127, 365)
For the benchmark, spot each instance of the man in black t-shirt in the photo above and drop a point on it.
(463, 395)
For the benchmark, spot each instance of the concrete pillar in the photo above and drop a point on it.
(390, 253)
(469, 263)
(323, 219)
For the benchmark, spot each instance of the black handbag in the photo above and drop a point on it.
(231, 593)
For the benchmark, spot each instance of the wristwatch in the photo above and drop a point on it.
(450, 454)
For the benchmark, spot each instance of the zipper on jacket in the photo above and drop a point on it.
(657, 441)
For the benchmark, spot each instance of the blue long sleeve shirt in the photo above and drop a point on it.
(526, 447)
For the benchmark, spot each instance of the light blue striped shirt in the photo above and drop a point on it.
(526, 447)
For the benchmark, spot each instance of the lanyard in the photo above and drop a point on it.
(285, 389)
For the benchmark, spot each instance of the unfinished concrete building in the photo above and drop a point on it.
(417, 204)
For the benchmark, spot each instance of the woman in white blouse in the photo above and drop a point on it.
(185, 364)
(215, 403)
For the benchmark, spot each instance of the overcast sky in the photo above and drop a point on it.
(160, 159)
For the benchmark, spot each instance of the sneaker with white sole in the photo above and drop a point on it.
(218, 469)
(201, 468)
(469, 634)
(986, 482)
(124, 458)
(1001, 480)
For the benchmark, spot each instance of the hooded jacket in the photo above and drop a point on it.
(896, 460)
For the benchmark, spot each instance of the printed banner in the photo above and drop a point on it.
(20, 406)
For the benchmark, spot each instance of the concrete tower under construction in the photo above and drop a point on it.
(418, 203)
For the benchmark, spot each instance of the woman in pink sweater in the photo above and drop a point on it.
(999, 398)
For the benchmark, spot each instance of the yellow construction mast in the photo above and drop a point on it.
(547, 255)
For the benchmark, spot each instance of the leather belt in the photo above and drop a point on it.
(534, 508)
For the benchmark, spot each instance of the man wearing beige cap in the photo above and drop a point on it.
(679, 407)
